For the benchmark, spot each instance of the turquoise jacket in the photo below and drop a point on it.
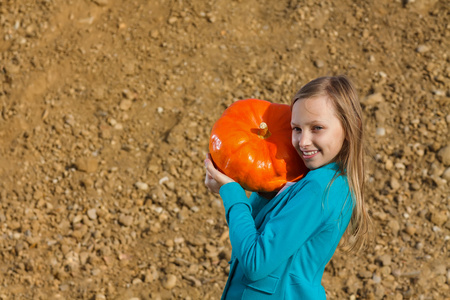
(281, 246)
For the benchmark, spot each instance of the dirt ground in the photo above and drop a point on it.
(106, 108)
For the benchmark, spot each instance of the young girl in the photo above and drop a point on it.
(281, 246)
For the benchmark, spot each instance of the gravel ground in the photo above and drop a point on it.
(106, 109)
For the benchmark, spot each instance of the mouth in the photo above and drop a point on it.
(309, 154)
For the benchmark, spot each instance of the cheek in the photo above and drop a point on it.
(294, 139)
(340, 141)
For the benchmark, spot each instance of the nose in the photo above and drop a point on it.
(304, 140)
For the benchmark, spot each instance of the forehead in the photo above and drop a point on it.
(318, 107)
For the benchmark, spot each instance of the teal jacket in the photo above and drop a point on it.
(281, 246)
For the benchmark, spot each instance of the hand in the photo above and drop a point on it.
(214, 179)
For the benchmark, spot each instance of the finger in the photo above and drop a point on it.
(210, 167)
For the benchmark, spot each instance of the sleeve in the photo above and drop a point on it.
(260, 253)
(235, 196)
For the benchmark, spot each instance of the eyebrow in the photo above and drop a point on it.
(312, 122)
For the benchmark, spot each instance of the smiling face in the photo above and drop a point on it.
(317, 133)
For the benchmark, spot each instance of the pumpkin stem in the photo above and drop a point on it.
(264, 131)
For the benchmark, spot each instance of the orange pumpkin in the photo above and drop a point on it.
(251, 143)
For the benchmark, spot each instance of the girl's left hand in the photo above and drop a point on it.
(214, 179)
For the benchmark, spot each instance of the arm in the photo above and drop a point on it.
(261, 253)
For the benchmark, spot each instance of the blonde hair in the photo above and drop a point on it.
(341, 92)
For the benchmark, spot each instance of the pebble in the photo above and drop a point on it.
(439, 218)
(395, 184)
(141, 186)
(372, 100)
(365, 274)
(319, 63)
(446, 174)
(125, 220)
(172, 20)
(92, 214)
(444, 155)
(380, 131)
(422, 48)
(376, 279)
(87, 164)
(385, 260)
(169, 282)
(411, 230)
(125, 104)
(154, 33)
(394, 226)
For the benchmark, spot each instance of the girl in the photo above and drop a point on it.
(281, 246)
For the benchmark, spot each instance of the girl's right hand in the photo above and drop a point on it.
(214, 179)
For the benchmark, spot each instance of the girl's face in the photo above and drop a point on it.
(317, 133)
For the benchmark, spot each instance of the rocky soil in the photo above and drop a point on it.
(106, 108)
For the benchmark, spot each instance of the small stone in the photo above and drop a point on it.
(84, 256)
(92, 214)
(100, 297)
(70, 120)
(154, 33)
(415, 186)
(365, 274)
(96, 272)
(439, 218)
(394, 226)
(319, 63)
(125, 104)
(444, 155)
(87, 164)
(169, 282)
(376, 278)
(440, 269)
(384, 260)
(422, 48)
(380, 131)
(172, 20)
(388, 164)
(178, 240)
(125, 220)
(411, 230)
(372, 99)
(438, 92)
(141, 186)
(446, 174)
(169, 243)
(395, 184)
(211, 18)
(77, 219)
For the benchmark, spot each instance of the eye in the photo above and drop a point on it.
(317, 128)
(296, 129)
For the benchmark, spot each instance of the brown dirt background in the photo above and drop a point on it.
(106, 108)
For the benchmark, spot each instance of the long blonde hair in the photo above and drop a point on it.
(342, 93)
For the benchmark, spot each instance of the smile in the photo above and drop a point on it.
(309, 153)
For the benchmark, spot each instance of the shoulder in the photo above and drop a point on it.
(324, 182)
(325, 175)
